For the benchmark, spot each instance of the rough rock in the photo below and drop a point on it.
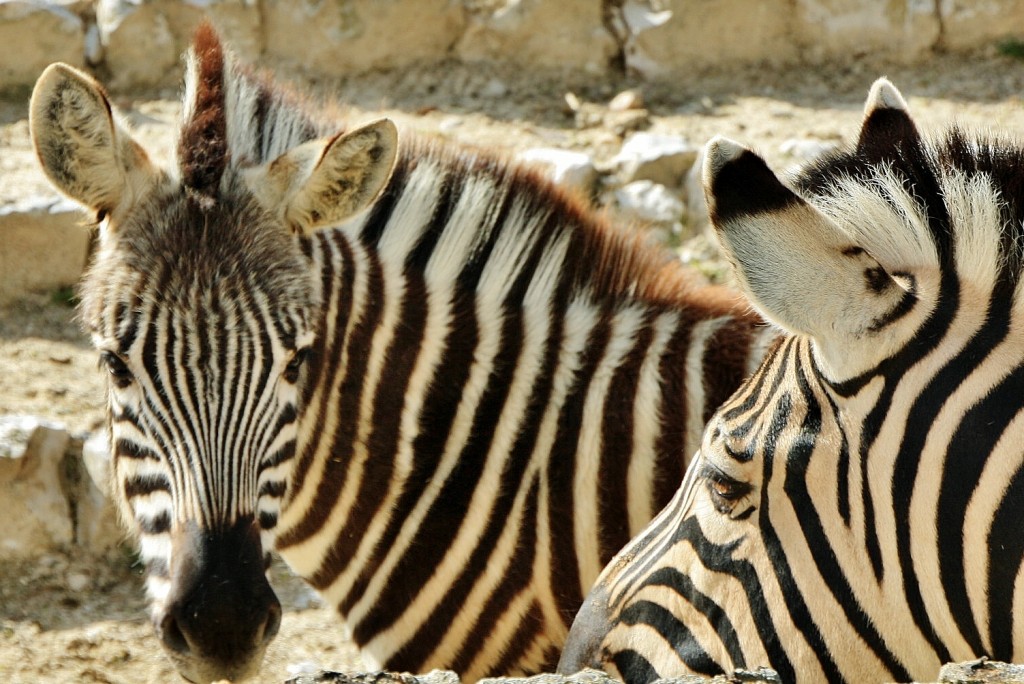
(337, 38)
(967, 25)
(325, 677)
(981, 671)
(806, 149)
(34, 34)
(142, 40)
(693, 190)
(572, 169)
(906, 30)
(35, 509)
(96, 519)
(759, 676)
(663, 159)
(43, 246)
(582, 677)
(713, 34)
(649, 202)
(567, 34)
(627, 99)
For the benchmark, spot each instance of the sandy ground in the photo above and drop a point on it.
(100, 632)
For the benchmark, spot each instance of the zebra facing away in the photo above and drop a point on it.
(447, 412)
(855, 511)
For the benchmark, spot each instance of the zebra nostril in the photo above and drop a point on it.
(172, 636)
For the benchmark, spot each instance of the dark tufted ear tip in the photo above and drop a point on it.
(738, 182)
(887, 125)
(884, 95)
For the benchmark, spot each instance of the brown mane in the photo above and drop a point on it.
(203, 146)
(240, 115)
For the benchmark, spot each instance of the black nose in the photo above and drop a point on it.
(219, 630)
(221, 612)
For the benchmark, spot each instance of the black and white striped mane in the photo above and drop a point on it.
(955, 202)
(235, 117)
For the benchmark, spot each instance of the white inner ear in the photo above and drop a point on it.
(324, 182)
(83, 150)
(793, 265)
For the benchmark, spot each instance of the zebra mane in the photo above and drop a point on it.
(955, 201)
(234, 116)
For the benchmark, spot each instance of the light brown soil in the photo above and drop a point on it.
(49, 633)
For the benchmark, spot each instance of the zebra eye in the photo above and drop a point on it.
(117, 368)
(725, 491)
(291, 371)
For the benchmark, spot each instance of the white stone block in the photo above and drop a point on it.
(806, 149)
(35, 509)
(43, 246)
(339, 38)
(567, 34)
(570, 169)
(32, 36)
(649, 202)
(664, 159)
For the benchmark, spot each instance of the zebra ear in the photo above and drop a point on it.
(797, 267)
(887, 128)
(323, 182)
(82, 148)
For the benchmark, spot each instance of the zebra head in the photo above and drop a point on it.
(853, 513)
(202, 304)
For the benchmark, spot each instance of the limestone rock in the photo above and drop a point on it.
(142, 40)
(565, 34)
(664, 159)
(806, 149)
(137, 42)
(981, 671)
(572, 169)
(324, 677)
(346, 36)
(826, 29)
(627, 99)
(582, 677)
(649, 202)
(44, 246)
(36, 513)
(693, 190)
(967, 24)
(96, 519)
(33, 35)
(713, 34)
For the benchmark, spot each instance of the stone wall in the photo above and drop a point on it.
(137, 43)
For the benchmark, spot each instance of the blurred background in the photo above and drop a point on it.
(613, 98)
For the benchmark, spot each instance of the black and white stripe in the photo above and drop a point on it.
(500, 389)
(854, 512)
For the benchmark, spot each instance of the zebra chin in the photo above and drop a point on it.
(220, 612)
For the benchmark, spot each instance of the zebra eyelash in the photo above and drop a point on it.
(294, 367)
(725, 490)
(120, 374)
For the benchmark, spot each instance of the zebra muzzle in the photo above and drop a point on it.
(221, 612)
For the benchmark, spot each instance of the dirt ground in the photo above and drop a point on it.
(100, 632)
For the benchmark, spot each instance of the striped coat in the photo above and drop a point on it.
(446, 412)
(854, 513)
